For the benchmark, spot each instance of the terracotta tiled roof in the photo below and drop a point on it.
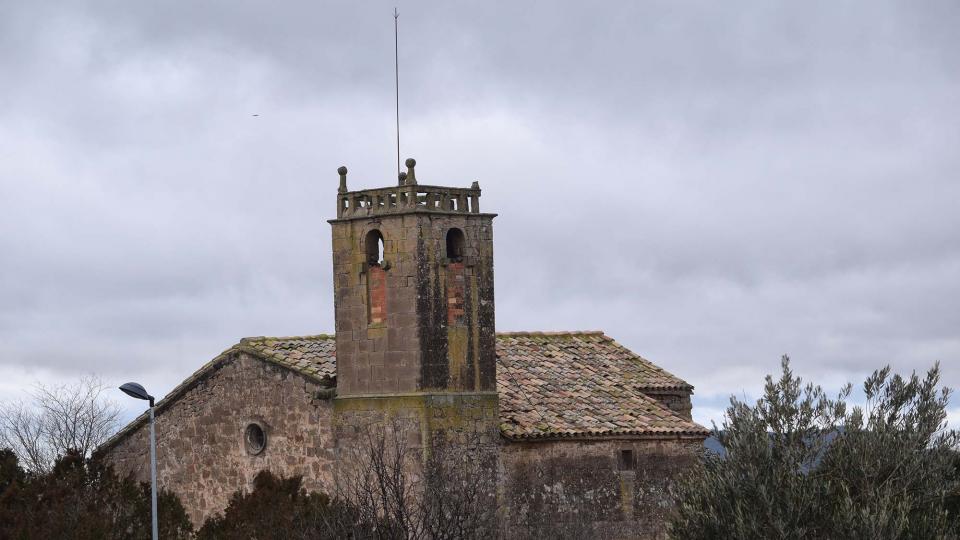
(577, 384)
(311, 355)
(551, 384)
(592, 351)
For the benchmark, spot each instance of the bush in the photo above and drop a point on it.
(798, 464)
(82, 499)
(280, 508)
(10, 471)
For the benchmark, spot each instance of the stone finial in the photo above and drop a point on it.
(411, 176)
(342, 171)
(402, 178)
(475, 184)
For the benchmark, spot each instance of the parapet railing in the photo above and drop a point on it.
(372, 202)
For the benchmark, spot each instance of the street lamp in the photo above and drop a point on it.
(135, 390)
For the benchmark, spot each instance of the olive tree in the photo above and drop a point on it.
(801, 464)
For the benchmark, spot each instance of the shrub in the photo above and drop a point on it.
(82, 499)
(280, 508)
(799, 464)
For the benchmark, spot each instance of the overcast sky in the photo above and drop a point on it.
(713, 184)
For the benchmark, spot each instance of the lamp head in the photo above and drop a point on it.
(136, 390)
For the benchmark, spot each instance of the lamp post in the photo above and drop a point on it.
(135, 390)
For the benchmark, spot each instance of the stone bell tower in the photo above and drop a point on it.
(413, 284)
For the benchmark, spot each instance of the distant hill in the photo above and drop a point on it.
(713, 445)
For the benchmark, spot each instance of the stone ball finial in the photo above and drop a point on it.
(342, 171)
(411, 176)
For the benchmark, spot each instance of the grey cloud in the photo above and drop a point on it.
(713, 185)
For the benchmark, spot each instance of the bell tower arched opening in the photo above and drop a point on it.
(455, 244)
(373, 243)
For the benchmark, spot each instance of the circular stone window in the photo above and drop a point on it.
(255, 439)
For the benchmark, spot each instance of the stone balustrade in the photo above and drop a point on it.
(406, 197)
(374, 202)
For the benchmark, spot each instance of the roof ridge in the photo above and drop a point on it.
(524, 333)
(515, 333)
(313, 337)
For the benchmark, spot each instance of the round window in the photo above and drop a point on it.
(255, 439)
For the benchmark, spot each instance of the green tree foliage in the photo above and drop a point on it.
(800, 464)
(281, 509)
(82, 499)
(10, 471)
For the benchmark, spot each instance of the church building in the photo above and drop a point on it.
(563, 418)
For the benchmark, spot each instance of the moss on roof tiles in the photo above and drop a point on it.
(589, 385)
(314, 356)
(550, 384)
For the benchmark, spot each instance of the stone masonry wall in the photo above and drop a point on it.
(590, 489)
(677, 401)
(464, 420)
(449, 440)
(412, 347)
(201, 449)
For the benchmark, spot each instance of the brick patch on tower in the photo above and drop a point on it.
(376, 294)
(455, 282)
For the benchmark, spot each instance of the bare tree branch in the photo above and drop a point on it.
(22, 430)
(445, 491)
(59, 418)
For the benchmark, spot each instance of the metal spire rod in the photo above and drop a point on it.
(396, 75)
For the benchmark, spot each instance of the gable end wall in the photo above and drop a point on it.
(201, 454)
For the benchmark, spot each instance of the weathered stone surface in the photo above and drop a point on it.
(588, 489)
(445, 346)
(453, 416)
(201, 453)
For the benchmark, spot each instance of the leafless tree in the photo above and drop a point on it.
(21, 430)
(460, 493)
(381, 481)
(445, 491)
(56, 419)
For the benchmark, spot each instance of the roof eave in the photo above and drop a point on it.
(555, 437)
(194, 379)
